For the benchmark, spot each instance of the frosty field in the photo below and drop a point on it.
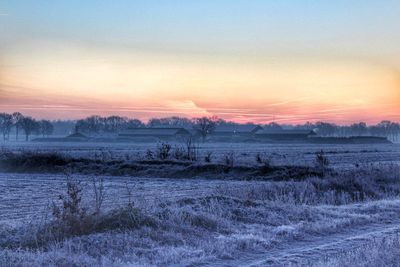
(274, 211)
(292, 154)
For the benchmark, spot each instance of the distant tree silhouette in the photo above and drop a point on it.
(388, 129)
(326, 129)
(134, 123)
(205, 126)
(112, 124)
(29, 125)
(173, 121)
(92, 124)
(6, 124)
(45, 128)
(17, 118)
(359, 129)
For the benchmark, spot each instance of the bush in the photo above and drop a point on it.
(71, 218)
(208, 157)
(27, 160)
(262, 158)
(229, 159)
(321, 162)
(163, 151)
(180, 153)
(149, 154)
(191, 150)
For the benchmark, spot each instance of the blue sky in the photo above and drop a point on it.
(207, 26)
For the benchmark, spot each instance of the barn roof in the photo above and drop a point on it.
(285, 132)
(237, 128)
(154, 132)
(76, 135)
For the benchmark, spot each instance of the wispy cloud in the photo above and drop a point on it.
(3, 14)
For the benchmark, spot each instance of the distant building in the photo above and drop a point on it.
(154, 133)
(76, 136)
(235, 131)
(284, 135)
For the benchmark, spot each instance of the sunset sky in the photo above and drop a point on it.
(261, 61)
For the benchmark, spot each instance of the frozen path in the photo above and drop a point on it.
(313, 249)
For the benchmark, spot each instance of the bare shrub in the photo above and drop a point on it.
(149, 154)
(264, 159)
(179, 153)
(321, 162)
(229, 159)
(32, 160)
(99, 193)
(163, 151)
(103, 155)
(191, 149)
(208, 156)
(71, 217)
(258, 158)
(187, 151)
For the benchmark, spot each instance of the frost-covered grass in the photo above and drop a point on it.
(343, 187)
(225, 220)
(377, 252)
(204, 231)
(244, 153)
(222, 226)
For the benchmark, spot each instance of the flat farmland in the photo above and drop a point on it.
(210, 219)
(244, 153)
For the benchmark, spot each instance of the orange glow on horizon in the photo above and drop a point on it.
(74, 82)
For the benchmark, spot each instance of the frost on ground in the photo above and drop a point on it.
(244, 153)
(230, 223)
(380, 251)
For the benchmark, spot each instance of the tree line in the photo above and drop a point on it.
(113, 124)
(385, 128)
(27, 124)
(205, 125)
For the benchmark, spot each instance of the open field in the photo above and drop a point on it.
(280, 154)
(231, 216)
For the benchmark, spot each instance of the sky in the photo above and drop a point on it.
(286, 61)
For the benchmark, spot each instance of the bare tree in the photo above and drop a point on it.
(134, 123)
(359, 128)
(6, 124)
(46, 128)
(17, 118)
(112, 124)
(29, 125)
(205, 126)
(326, 129)
(173, 121)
